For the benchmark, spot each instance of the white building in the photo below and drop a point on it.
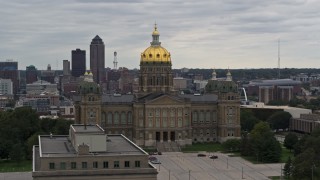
(6, 86)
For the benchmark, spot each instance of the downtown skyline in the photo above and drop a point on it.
(207, 34)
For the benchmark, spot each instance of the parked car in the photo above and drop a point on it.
(152, 158)
(156, 161)
(213, 157)
(202, 155)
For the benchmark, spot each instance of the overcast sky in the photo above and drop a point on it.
(198, 34)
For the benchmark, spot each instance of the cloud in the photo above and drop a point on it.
(221, 34)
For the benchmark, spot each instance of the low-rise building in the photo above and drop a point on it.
(88, 153)
(306, 123)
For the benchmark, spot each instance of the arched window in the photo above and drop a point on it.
(116, 118)
(123, 118)
(201, 117)
(208, 117)
(129, 117)
(109, 118)
(103, 119)
(194, 117)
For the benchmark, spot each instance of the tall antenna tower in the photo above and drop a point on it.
(278, 58)
(115, 62)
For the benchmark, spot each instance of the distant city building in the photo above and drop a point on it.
(6, 100)
(97, 60)
(89, 153)
(6, 86)
(125, 81)
(31, 74)
(48, 75)
(269, 90)
(180, 83)
(66, 67)
(41, 87)
(304, 77)
(9, 70)
(78, 62)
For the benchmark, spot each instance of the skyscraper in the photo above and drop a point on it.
(78, 62)
(31, 74)
(97, 60)
(9, 70)
(66, 67)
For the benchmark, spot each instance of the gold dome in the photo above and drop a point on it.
(155, 53)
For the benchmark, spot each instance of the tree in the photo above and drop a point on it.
(302, 164)
(265, 147)
(279, 120)
(290, 140)
(287, 168)
(231, 145)
(17, 152)
(247, 120)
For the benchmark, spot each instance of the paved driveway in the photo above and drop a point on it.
(181, 166)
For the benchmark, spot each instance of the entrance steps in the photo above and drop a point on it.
(168, 147)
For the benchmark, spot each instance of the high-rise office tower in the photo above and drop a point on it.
(97, 60)
(31, 74)
(9, 70)
(66, 67)
(78, 62)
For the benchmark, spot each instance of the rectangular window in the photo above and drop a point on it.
(105, 164)
(150, 122)
(179, 122)
(141, 122)
(84, 165)
(116, 164)
(127, 164)
(172, 122)
(62, 165)
(157, 122)
(73, 165)
(51, 165)
(95, 164)
(157, 112)
(137, 163)
(164, 122)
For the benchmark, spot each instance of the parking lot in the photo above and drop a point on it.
(184, 166)
(181, 166)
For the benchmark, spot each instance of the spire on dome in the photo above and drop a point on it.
(155, 36)
(214, 74)
(229, 77)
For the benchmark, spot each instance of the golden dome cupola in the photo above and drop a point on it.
(155, 53)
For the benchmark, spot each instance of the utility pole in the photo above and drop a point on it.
(242, 173)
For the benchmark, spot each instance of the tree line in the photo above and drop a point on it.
(19, 130)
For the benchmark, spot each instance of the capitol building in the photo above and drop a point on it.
(157, 116)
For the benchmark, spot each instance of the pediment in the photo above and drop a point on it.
(165, 100)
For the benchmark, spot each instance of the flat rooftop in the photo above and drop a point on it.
(60, 146)
(80, 128)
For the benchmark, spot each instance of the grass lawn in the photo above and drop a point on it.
(12, 166)
(284, 156)
(209, 147)
(277, 178)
